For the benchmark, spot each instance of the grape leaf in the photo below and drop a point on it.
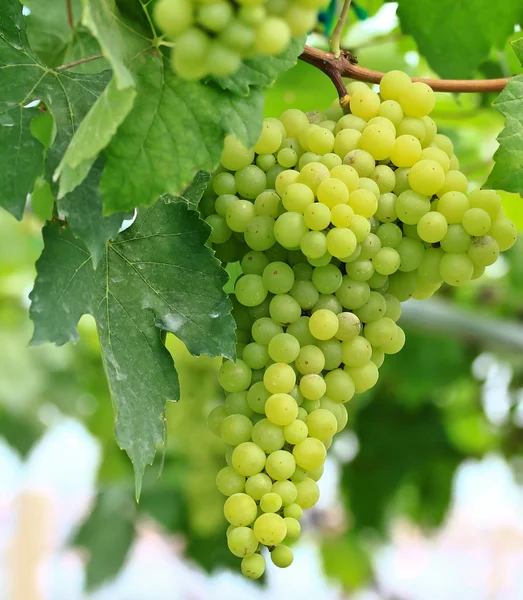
(262, 70)
(83, 210)
(194, 192)
(455, 37)
(107, 534)
(93, 135)
(157, 276)
(507, 174)
(175, 129)
(68, 96)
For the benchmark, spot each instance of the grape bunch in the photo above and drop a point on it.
(211, 37)
(335, 220)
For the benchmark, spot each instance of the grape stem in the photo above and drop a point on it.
(338, 30)
(81, 61)
(69, 9)
(346, 66)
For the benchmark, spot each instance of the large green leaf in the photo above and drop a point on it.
(262, 70)
(68, 96)
(82, 209)
(455, 37)
(175, 129)
(157, 276)
(507, 174)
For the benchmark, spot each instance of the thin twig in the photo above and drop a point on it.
(338, 30)
(70, 18)
(344, 66)
(81, 61)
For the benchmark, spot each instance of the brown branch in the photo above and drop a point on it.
(344, 66)
(70, 18)
(81, 61)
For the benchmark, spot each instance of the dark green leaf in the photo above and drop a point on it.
(108, 534)
(193, 194)
(157, 276)
(262, 70)
(175, 129)
(83, 211)
(68, 96)
(455, 37)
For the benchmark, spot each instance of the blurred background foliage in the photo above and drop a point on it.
(405, 438)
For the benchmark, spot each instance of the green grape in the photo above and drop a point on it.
(285, 179)
(346, 141)
(308, 157)
(476, 221)
(260, 310)
(238, 36)
(399, 341)
(349, 326)
(300, 330)
(236, 403)
(240, 510)
(308, 493)
(258, 485)
(284, 309)
(378, 357)
(252, 15)
(378, 281)
(364, 103)
(360, 160)
(302, 414)
(254, 262)
(272, 36)
(294, 121)
(286, 490)
(310, 360)
(300, 18)
(341, 242)
(253, 566)
(455, 181)
(331, 160)
(504, 232)
(411, 254)
(310, 405)
(348, 175)
(270, 138)
(488, 200)
(370, 246)
(229, 482)
(322, 424)
(406, 151)
(456, 240)
(278, 277)
(323, 324)
(386, 261)
(282, 556)
(224, 184)
(235, 156)
(284, 348)
(332, 192)
(453, 206)
(322, 261)
(271, 502)
(242, 541)
(393, 310)
(363, 203)
(417, 99)
(250, 182)
(250, 290)
(386, 211)
(296, 432)
(296, 394)
(390, 235)
(270, 529)
(279, 378)
(360, 270)
(356, 351)
(432, 227)
(411, 206)
(309, 454)
(297, 198)
(484, 251)
(264, 329)
(317, 216)
(280, 465)
(234, 377)
(239, 214)
(402, 285)
(236, 429)
(293, 528)
(293, 511)
(327, 279)
(378, 141)
(353, 294)
(319, 139)
(314, 245)
(342, 215)
(248, 459)
(456, 269)
(392, 85)
(428, 271)
(259, 233)
(289, 229)
(255, 355)
(305, 294)
(220, 231)
(445, 143)
(313, 174)
(426, 177)
(312, 386)
(302, 271)
(223, 202)
(281, 408)
(430, 130)
(384, 178)
(350, 121)
(340, 386)
(373, 309)
(414, 127)
(268, 436)
(391, 110)
(365, 377)
(173, 16)
(265, 162)
(380, 333)
(438, 155)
